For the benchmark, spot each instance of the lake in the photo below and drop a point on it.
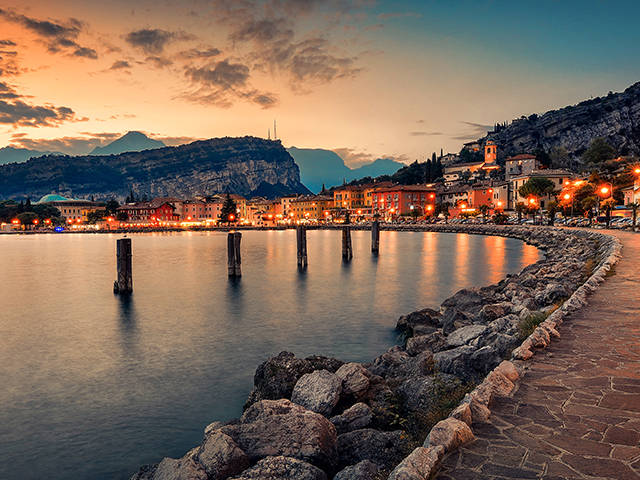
(94, 385)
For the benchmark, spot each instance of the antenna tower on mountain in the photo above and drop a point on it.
(275, 132)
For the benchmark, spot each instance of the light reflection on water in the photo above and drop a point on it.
(95, 385)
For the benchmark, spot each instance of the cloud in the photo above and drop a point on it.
(354, 158)
(153, 41)
(193, 53)
(223, 75)
(79, 145)
(120, 65)
(475, 131)
(57, 36)
(390, 15)
(16, 112)
(424, 134)
(158, 62)
(7, 43)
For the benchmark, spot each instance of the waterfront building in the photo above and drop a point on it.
(285, 203)
(500, 195)
(557, 176)
(519, 165)
(404, 200)
(193, 210)
(72, 210)
(311, 208)
(349, 197)
(155, 211)
(454, 195)
(480, 194)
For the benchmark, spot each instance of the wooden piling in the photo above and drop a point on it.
(301, 242)
(347, 252)
(375, 237)
(124, 282)
(234, 260)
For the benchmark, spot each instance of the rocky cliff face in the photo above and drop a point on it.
(615, 117)
(241, 165)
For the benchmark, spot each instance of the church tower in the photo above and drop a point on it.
(490, 152)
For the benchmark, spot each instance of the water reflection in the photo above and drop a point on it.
(122, 381)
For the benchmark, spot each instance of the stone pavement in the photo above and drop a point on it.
(576, 414)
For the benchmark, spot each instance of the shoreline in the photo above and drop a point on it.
(445, 355)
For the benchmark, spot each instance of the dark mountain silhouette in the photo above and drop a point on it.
(318, 167)
(130, 142)
(18, 155)
(245, 166)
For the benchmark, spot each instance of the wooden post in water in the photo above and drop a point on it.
(347, 252)
(124, 283)
(234, 261)
(375, 237)
(301, 242)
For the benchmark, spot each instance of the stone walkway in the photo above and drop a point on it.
(576, 414)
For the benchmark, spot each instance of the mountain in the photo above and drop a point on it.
(239, 165)
(131, 142)
(615, 117)
(318, 167)
(18, 155)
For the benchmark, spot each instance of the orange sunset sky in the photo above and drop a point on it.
(368, 78)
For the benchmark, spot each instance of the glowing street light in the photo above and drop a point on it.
(567, 196)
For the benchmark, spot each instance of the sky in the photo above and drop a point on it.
(367, 78)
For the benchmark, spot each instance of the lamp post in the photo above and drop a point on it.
(606, 191)
(568, 196)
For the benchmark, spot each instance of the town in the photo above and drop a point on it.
(526, 188)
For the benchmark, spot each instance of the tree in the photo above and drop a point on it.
(634, 208)
(484, 209)
(112, 207)
(607, 205)
(552, 209)
(543, 157)
(443, 208)
(520, 208)
(599, 151)
(537, 186)
(95, 216)
(27, 218)
(587, 204)
(228, 211)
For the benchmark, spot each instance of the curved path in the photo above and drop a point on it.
(576, 414)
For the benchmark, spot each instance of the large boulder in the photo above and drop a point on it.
(318, 391)
(450, 433)
(425, 321)
(433, 342)
(397, 363)
(280, 427)
(355, 379)
(453, 318)
(464, 335)
(282, 468)
(455, 361)
(384, 403)
(221, 457)
(276, 377)
(385, 449)
(365, 470)
(354, 418)
(422, 393)
(185, 468)
(419, 465)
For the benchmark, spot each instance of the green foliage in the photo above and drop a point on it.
(11, 209)
(228, 212)
(559, 157)
(112, 207)
(529, 324)
(96, 216)
(417, 172)
(599, 151)
(537, 186)
(27, 218)
(467, 156)
(543, 157)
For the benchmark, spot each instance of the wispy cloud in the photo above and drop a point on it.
(153, 41)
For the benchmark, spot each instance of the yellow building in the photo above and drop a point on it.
(349, 197)
(310, 207)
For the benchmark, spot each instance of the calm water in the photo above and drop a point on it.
(92, 386)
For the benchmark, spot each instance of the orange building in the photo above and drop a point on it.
(480, 195)
(404, 200)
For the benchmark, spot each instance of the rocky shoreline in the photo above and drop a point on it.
(319, 418)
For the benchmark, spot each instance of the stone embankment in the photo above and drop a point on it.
(319, 418)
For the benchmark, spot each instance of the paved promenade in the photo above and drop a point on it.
(576, 414)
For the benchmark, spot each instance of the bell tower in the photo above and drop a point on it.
(490, 152)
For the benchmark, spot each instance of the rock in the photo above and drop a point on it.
(478, 401)
(490, 312)
(318, 391)
(396, 363)
(484, 359)
(500, 385)
(508, 369)
(464, 335)
(455, 361)
(423, 392)
(213, 426)
(185, 468)
(433, 342)
(365, 470)
(452, 319)
(419, 465)
(463, 413)
(386, 449)
(275, 378)
(282, 428)
(355, 379)
(282, 468)
(384, 404)
(221, 457)
(145, 472)
(428, 319)
(354, 418)
(450, 433)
